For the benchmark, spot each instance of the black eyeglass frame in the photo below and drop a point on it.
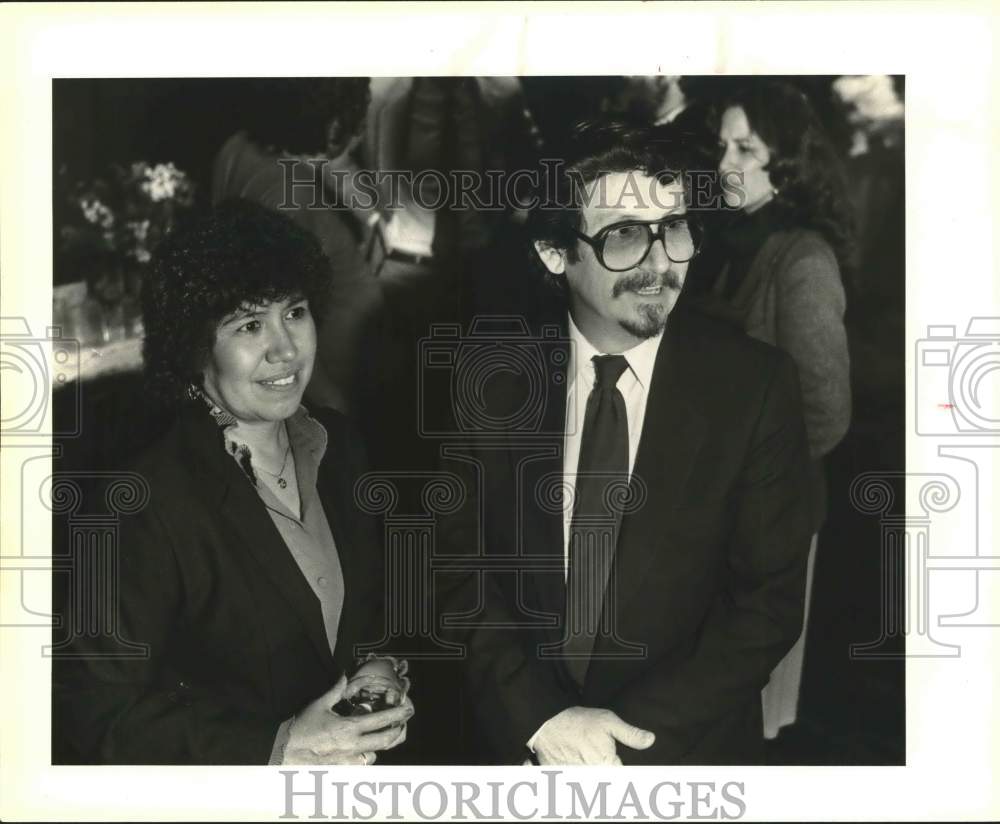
(597, 241)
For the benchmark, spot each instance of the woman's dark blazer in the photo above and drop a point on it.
(234, 636)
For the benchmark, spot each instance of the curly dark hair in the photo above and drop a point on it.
(204, 271)
(592, 150)
(804, 167)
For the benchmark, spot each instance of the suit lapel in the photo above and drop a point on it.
(257, 532)
(360, 567)
(672, 436)
(246, 518)
(540, 480)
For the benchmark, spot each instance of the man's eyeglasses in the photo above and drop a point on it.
(623, 246)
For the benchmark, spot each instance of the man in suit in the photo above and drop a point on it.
(640, 544)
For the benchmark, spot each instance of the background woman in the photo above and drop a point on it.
(778, 276)
(249, 576)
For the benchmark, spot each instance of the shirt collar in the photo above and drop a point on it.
(307, 436)
(222, 418)
(308, 440)
(641, 358)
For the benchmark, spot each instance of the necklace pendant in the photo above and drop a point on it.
(282, 483)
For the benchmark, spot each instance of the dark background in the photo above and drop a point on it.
(852, 711)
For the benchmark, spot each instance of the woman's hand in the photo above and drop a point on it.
(318, 735)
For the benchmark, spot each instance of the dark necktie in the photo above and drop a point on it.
(603, 466)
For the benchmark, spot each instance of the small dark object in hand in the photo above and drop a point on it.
(368, 701)
(381, 690)
(362, 704)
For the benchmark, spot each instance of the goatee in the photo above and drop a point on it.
(652, 317)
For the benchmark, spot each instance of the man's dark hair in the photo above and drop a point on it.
(593, 150)
(202, 272)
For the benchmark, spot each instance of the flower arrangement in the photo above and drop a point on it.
(106, 230)
(119, 218)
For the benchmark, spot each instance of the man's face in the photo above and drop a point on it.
(617, 310)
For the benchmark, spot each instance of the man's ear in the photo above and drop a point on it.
(553, 258)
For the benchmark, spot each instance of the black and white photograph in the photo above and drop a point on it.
(236, 282)
(506, 422)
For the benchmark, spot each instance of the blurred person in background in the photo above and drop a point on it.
(876, 284)
(779, 277)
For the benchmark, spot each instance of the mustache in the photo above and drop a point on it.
(643, 280)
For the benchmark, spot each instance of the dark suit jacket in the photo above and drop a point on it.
(235, 634)
(709, 573)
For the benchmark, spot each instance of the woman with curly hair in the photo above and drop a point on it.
(248, 579)
(780, 279)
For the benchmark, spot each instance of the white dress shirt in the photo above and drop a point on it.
(634, 386)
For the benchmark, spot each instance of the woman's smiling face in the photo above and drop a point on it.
(262, 360)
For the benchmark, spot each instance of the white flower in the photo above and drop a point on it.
(162, 181)
(140, 229)
(142, 255)
(97, 213)
(872, 97)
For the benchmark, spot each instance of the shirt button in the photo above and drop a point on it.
(321, 581)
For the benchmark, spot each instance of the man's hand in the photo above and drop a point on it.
(586, 735)
(319, 735)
